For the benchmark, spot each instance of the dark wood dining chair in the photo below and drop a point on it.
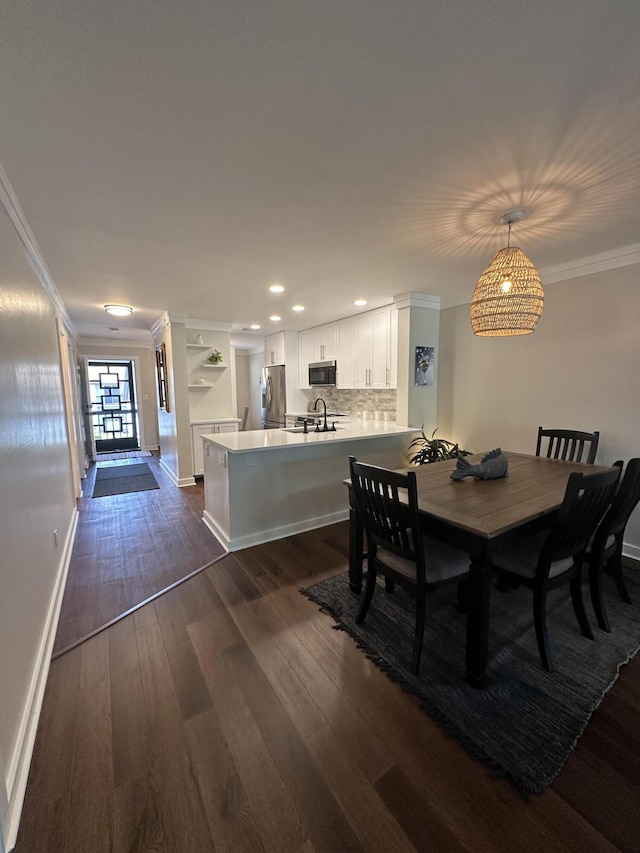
(387, 503)
(605, 552)
(568, 444)
(549, 559)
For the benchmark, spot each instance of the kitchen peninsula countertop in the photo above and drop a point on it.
(262, 485)
(270, 439)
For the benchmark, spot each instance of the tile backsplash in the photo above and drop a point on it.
(359, 401)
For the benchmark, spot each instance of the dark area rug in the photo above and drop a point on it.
(121, 479)
(526, 721)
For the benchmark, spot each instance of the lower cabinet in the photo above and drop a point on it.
(198, 430)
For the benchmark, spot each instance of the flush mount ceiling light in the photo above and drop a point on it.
(298, 308)
(254, 326)
(360, 302)
(276, 288)
(508, 297)
(275, 318)
(118, 310)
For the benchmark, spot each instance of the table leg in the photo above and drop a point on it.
(478, 599)
(356, 551)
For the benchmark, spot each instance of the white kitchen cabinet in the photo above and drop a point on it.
(213, 427)
(274, 349)
(346, 359)
(305, 348)
(324, 343)
(393, 347)
(366, 357)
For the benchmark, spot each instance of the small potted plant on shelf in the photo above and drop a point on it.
(215, 357)
(434, 449)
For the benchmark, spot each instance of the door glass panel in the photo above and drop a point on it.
(114, 414)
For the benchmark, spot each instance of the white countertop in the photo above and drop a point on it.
(228, 420)
(266, 439)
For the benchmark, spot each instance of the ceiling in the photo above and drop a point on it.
(182, 156)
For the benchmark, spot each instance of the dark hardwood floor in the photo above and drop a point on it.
(229, 715)
(129, 547)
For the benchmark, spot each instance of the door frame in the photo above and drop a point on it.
(136, 382)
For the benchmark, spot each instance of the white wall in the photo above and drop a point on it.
(578, 370)
(36, 499)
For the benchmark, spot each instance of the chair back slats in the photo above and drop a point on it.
(388, 519)
(624, 502)
(568, 445)
(587, 498)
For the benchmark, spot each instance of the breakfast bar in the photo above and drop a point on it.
(262, 485)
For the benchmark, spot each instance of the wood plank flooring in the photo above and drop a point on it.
(228, 715)
(129, 547)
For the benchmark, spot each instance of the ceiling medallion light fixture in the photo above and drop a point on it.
(508, 297)
(118, 310)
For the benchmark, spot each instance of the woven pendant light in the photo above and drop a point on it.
(508, 297)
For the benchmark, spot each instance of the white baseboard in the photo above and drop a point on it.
(220, 535)
(18, 771)
(183, 481)
(631, 551)
(274, 533)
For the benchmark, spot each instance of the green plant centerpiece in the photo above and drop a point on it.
(434, 449)
(215, 357)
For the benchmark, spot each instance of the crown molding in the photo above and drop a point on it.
(120, 343)
(189, 323)
(207, 325)
(622, 257)
(10, 203)
(417, 300)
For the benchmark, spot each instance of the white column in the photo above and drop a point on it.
(418, 326)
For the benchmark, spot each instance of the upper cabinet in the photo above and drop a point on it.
(325, 343)
(317, 344)
(364, 346)
(375, 359)
(274, 349)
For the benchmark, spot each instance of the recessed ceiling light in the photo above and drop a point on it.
(360, 302)
(254, 326)
(275, 318)
(298, 308)
(118, 310)
(276, 288)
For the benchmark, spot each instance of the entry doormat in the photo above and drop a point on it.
(122, 454)
(121, 479)
(526, 721)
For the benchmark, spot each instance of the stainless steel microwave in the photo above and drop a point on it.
(322, 373)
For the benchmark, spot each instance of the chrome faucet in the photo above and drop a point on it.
(325, 428)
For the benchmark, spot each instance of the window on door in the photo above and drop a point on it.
(114, 414)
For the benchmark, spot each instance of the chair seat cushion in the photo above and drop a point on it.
(443, 561)
(522, 560)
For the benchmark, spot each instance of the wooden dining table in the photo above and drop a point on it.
(479, 516)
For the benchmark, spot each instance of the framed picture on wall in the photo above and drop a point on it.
(161, 370)
(424, 365)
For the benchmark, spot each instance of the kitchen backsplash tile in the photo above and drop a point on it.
(359, 401)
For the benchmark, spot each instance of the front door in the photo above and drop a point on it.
(114, 414)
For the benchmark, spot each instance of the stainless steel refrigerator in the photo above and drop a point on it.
(274, 397)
